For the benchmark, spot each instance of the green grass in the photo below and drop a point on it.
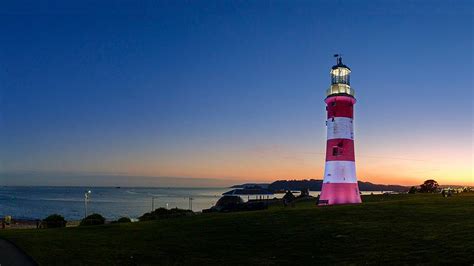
(395, 229)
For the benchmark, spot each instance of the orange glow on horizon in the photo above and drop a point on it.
(275, 164)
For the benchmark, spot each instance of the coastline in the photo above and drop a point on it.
(32, 224)
(27, 204)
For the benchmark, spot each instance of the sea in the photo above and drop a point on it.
(32, 203)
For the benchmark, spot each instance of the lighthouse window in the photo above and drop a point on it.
(337, 150)
(338, 78)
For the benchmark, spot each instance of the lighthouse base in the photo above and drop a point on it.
(339, 193)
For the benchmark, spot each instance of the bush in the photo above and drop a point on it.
(124, 220)
(54, 221)
(93, 219)
(161, 213)
(412, 190)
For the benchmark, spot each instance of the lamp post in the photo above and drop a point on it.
(191, 203)
(153, 203)
(87, 196)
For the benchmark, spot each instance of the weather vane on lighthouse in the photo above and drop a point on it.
(340, 181)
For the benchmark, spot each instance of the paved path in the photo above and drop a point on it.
(10, 255)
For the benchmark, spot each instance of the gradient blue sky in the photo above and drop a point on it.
(231, 89)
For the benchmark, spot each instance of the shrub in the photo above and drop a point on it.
(161, 213)
(124, 220)
(412, 190)
(54, 221)
(93, 219)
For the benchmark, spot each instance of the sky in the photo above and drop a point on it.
(221, 92)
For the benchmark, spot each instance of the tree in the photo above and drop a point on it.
(412, 190)
(429, 186)
(289, 197)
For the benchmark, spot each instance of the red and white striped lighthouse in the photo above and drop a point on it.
(340, 181)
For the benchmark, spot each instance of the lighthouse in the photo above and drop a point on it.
(340, 180)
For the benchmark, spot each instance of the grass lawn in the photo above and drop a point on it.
(395, 229)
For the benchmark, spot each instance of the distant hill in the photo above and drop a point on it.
(367, 186)
(453, 186)
(262, 185)
(316, 184)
